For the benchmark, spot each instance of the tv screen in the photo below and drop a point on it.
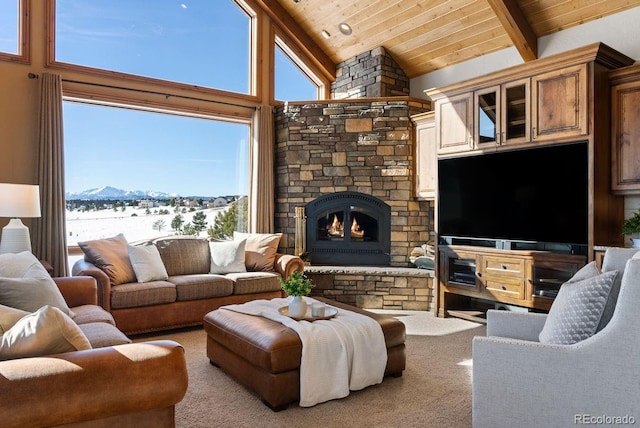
(538, 194)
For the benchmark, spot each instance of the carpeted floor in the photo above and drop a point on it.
(435, 390)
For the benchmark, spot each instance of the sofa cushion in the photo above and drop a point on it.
(136, 294)
(227, 256)
(111, 256)
(30, 294)
(86, 314)
(9, 316)
(102, 334)
(254, 282)
(184, 256)
(203, 286)
(260, 250)
(615, 259)
(46, 331)
(147, 263)
(577, 310)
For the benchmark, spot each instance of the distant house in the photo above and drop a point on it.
(217, 203)
(146, 203)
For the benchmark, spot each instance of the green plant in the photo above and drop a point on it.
(298, 284)
(632, 224)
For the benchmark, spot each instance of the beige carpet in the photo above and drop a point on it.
(435, 390)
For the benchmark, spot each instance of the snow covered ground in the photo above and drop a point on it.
(88, 225)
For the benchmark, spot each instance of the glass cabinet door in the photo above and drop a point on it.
(517, 117)
(487, 109)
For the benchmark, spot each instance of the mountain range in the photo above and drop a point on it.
(108, 192)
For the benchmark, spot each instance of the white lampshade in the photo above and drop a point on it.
(17, 200)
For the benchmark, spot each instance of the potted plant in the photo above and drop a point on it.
(297, 286)
(631, 226)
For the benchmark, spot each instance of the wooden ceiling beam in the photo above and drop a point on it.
(515, 24)
(294, 31)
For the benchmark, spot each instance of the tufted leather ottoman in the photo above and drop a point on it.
(264, 355)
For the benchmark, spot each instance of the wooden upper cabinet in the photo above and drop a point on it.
(426, 156)
(515, 123)
(487, 113)
(560, 104)
(454, 118)
(625, 114)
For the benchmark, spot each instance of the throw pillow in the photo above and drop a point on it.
(112, 257)
(228, 256)
(577, 310)
(44, 332)
(260, 250)
(30, 294)
(587, 271)
(9, 316)
(147, 263)
(14, 265)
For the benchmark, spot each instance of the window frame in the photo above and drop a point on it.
(51, 62)
(24, 35)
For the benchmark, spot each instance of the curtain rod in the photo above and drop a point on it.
(167, 96)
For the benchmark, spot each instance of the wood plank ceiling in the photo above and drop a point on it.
(426, 35)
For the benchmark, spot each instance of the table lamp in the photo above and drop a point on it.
(17, 200)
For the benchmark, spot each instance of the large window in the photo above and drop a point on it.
(291, 83)
(148, 174)
(197, 42)
(14, 30)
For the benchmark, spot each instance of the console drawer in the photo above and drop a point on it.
(504, 286)
(503, 267)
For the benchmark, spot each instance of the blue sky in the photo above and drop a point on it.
(201, 42)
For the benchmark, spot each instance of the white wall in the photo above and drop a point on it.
(620, 31)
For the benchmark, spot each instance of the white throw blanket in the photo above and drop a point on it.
(346, 352)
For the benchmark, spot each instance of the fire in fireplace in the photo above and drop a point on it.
(348, 228)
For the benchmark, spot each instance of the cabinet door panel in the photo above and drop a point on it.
(626, 138)
(455, 122)
(516, 112)
(487, 117)
(560, 103)
(426, 158)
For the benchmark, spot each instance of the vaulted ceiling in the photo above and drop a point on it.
(426, 35)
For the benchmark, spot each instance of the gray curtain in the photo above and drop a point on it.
(50, 237)
(262, 183)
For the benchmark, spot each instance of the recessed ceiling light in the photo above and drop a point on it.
(344, 28)
(325, 34)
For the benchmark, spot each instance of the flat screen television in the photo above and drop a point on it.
(531, 196)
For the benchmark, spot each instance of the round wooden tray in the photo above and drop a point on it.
(328, 313)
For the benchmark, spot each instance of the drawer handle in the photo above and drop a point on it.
(503, 287)
(504, 266)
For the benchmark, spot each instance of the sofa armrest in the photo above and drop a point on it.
(286, 264)
(78, 290)
(85, 268)
(92, 384)
(515, 325)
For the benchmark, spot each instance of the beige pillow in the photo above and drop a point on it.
(44, 332)
(227, 256)
(111, 256)
(30, 294)
(9, 316)
(147, 263)
(14, 265)
(260, 250)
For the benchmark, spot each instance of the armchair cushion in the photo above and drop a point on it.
(227, 256)
(577, 310)
(260, 250)
(111, 256)
(147, 263)
(30, 294)
(44, 332)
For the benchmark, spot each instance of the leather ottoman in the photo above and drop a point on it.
(264, 355)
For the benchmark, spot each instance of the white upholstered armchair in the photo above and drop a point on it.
(518, 381)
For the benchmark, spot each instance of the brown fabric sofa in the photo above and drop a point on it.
(189, 292)
(124, 384)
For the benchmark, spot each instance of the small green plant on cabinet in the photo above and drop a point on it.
(631, 226)
(298, 284)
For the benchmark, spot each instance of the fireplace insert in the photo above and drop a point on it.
(348, 228)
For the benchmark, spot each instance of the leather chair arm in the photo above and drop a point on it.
(92, 384)
(78, 290)
(286, 264)
(85, 268)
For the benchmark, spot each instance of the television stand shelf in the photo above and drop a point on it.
(472, 279)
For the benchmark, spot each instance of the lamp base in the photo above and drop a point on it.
(15, 237)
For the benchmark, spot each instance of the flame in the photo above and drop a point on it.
(336, 228)
(355, 229)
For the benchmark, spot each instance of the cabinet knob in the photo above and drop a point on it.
(503, 287)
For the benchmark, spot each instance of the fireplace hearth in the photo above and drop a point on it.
(348, 228)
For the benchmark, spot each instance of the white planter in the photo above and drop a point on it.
(297, 307)
(636, 242)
